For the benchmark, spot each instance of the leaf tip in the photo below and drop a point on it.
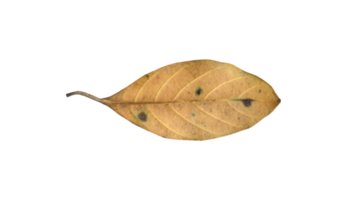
(279, 100)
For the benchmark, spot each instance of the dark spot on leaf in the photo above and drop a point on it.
(193, 114)
(259, 91)
(279, 100)
(238, 118)
(247, 102)
(198, 91)
(142, 116)
(146, 75)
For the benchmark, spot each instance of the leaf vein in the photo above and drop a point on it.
(163, 123)
(247, 90)
(191, 122)
(195, 80)
(222, 84)
(240, 111)
(156, 96)
(216, 117)
(137, 95)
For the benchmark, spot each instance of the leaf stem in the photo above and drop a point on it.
(84, 94)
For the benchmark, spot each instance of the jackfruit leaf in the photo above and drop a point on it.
(194, 100)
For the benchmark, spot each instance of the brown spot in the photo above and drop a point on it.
(193, 114)
(142, 116)
(198, 91)
(259, 91)
(247, 102)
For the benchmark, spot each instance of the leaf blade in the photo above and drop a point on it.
(195, 100)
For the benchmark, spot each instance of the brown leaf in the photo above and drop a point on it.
(194, 100)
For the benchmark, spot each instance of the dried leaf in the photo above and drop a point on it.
(195, 100)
